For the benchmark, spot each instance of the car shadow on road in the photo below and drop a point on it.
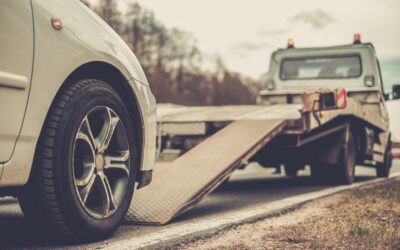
(17, 232)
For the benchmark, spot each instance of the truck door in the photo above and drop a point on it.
(16, 59)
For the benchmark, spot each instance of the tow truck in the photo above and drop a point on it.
(322, 107)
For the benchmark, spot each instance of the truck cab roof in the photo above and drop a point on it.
(336, 47)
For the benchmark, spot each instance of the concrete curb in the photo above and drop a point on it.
(185, 232)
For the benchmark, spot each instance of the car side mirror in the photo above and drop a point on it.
(396, 91)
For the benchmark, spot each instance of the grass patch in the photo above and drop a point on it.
(363, 234)
(364, 219)
(367, 218)
(295, 240)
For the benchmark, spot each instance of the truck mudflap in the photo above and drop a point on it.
(185, 182)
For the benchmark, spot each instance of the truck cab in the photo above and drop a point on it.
(351, 67)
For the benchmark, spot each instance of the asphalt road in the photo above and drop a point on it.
(246, 188)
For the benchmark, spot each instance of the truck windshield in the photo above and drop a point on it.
(320, 67)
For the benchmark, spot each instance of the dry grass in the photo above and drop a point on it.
(365, 219)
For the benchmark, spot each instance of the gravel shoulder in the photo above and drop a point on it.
(366, 218)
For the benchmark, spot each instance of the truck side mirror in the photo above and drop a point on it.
(396, 91)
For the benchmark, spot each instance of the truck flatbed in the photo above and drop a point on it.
(364, 105)
(194, 120)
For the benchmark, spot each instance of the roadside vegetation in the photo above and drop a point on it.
(177, 70)
(364, 219)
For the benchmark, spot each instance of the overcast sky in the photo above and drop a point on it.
(246, 32)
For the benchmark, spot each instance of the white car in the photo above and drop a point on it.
(77, 118)
(393, 109)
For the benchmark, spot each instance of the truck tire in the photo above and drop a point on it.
(83, 177)
(291, 169)
(347, 162)
(383, 169)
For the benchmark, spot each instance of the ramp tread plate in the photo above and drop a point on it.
(185, 181)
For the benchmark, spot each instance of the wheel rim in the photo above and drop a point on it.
(101, 162)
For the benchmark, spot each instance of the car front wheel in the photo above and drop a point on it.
(82, 181)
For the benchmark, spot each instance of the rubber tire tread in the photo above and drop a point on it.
(39, 201)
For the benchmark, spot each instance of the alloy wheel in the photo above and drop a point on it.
(101, 160)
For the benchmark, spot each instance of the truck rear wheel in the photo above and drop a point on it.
(291, 169)
(383, 169)
(347, 162)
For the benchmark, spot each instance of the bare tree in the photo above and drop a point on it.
(172, 61)
(108, 10)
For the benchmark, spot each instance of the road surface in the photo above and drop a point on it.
(248, 187)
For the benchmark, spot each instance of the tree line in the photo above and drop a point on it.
(172, 60)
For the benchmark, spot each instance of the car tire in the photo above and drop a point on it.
(83, 176)
(383, 169)
(347, 162)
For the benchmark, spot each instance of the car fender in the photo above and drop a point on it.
(83, 38)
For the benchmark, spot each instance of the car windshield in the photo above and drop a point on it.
(320, 67)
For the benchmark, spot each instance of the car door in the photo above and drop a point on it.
(16, 59)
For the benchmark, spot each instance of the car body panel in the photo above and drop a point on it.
(1, 170)
(16, 53)
(84, 38)
(393, 109)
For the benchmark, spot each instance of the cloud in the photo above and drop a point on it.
(275, 32)
(248, 49)
(318, 19)
(251, 46)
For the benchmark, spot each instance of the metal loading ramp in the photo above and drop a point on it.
(182, 184)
